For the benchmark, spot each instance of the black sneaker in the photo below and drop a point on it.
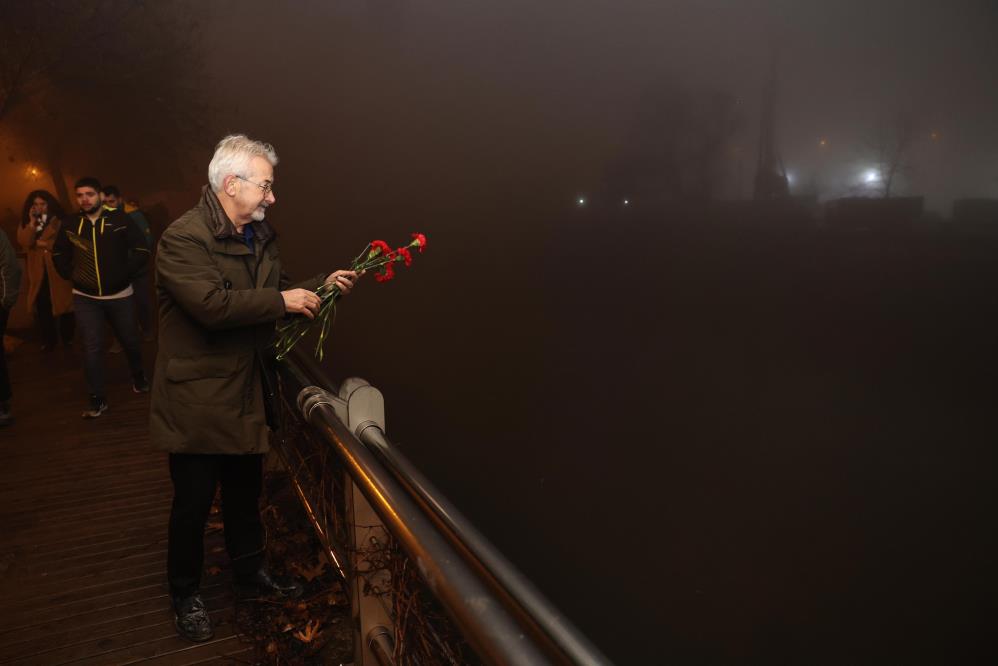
(140, 384)
(97, 407)
(192, 621)
(262, 585)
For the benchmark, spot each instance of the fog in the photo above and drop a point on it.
(707, 442)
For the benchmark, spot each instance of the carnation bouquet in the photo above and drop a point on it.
(376, 256)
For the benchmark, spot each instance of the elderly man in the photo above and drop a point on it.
(221, 289)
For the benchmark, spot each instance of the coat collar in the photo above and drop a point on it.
(222, 227)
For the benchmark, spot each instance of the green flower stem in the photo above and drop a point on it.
(291, 333)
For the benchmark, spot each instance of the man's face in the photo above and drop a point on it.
(111, 201)
(251, 199)
(89, 199)
(39, 207)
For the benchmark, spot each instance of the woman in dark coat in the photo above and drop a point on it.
(50, 297)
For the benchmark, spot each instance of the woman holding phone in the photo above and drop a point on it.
(50, 298)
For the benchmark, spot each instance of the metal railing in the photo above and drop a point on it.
(495, 608)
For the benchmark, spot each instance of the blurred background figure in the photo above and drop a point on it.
(112, 198)
(50, 298)
(10, 282)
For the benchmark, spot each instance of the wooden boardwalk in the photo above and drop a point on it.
(83, 515)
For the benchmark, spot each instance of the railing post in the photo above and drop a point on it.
(371, 593)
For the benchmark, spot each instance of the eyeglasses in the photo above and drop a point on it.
(267, 188)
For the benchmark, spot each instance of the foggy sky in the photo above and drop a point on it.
(422, 106)
(417, 104)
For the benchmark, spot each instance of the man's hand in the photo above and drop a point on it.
(301, 300)
(343, 279)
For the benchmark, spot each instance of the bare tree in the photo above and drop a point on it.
(76, 73)
(677, 146)
(890, 146)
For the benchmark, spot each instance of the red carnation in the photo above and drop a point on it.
(420, 240)
(386, 273)
(379, 246)
(406, 256)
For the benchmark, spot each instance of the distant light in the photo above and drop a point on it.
(31, 171)
(790, 178)
(581, 201)
(627, 202)
(823, 142)
(871, 176)
(934, 136)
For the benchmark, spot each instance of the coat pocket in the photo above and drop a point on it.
(215, 379)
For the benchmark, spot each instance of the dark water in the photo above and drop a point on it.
(709, 444)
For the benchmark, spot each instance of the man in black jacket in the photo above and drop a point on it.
(102, 250)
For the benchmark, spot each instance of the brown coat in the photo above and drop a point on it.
(39, 262)
(218, 303)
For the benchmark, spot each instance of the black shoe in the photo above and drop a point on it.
(140, 384)
(262, 585)
(192, 621)
(97, 407)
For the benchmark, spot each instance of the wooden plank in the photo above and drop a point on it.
(105, 620)
(84, 506)
(129, 644)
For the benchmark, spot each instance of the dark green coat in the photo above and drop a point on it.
(218, 303)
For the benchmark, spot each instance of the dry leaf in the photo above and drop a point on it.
(310, 573)
(309, 633)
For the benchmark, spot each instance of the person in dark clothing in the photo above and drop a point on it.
(101, 251)
(50, 297)
(10, 283)
(141, 286)
(221, 289)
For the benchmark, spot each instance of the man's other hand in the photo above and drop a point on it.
(301, 300)
(343, 279)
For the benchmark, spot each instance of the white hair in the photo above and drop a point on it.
(232, 157)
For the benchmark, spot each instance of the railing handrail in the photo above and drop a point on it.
(413, 508)
(512, 582)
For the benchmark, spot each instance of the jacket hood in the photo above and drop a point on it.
(222, 227)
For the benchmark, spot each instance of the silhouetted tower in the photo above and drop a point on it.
(770, 176)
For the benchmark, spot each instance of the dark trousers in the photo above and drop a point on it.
(90, 316)
(47, 321)
(4, 377)
(143, 302)
(195, 477)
